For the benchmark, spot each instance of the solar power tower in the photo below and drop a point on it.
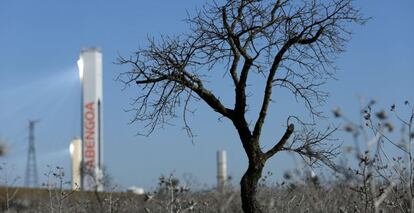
(31, 177)
(90, 72)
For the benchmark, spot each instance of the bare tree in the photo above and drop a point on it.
(292, 44)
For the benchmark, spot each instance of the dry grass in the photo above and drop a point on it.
(304, 197)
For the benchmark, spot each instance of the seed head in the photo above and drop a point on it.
(3, 149)
(367, 116)
(337, 112)
(389, 126)
(381, 115)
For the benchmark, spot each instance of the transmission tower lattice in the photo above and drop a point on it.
(31, 178)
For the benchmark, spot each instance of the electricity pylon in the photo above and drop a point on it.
(31, 178)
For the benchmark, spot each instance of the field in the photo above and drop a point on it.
(307, 196)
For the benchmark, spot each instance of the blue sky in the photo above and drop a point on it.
(40, 42)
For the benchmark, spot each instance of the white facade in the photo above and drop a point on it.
(90, 72)
(76, 156)
(221, 169)
(136, 190)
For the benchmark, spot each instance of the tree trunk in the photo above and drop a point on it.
(248, 185)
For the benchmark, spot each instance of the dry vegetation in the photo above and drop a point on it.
(300, 197)
(378, 179)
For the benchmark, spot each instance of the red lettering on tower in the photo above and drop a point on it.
(89, 125)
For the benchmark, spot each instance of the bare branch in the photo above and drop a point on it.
(282, 141)
(292, 44)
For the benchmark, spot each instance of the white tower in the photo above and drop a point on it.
(90, 72)
(76, 155)
(221, 169)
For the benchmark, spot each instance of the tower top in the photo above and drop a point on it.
(91, 49)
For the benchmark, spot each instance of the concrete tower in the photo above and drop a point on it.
(76, 155)
(90, 72)
(221, 169)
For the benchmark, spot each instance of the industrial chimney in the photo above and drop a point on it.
(221, 169)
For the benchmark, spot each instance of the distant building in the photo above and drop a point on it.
(76, 156)
(136, 190)
(221, 169)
